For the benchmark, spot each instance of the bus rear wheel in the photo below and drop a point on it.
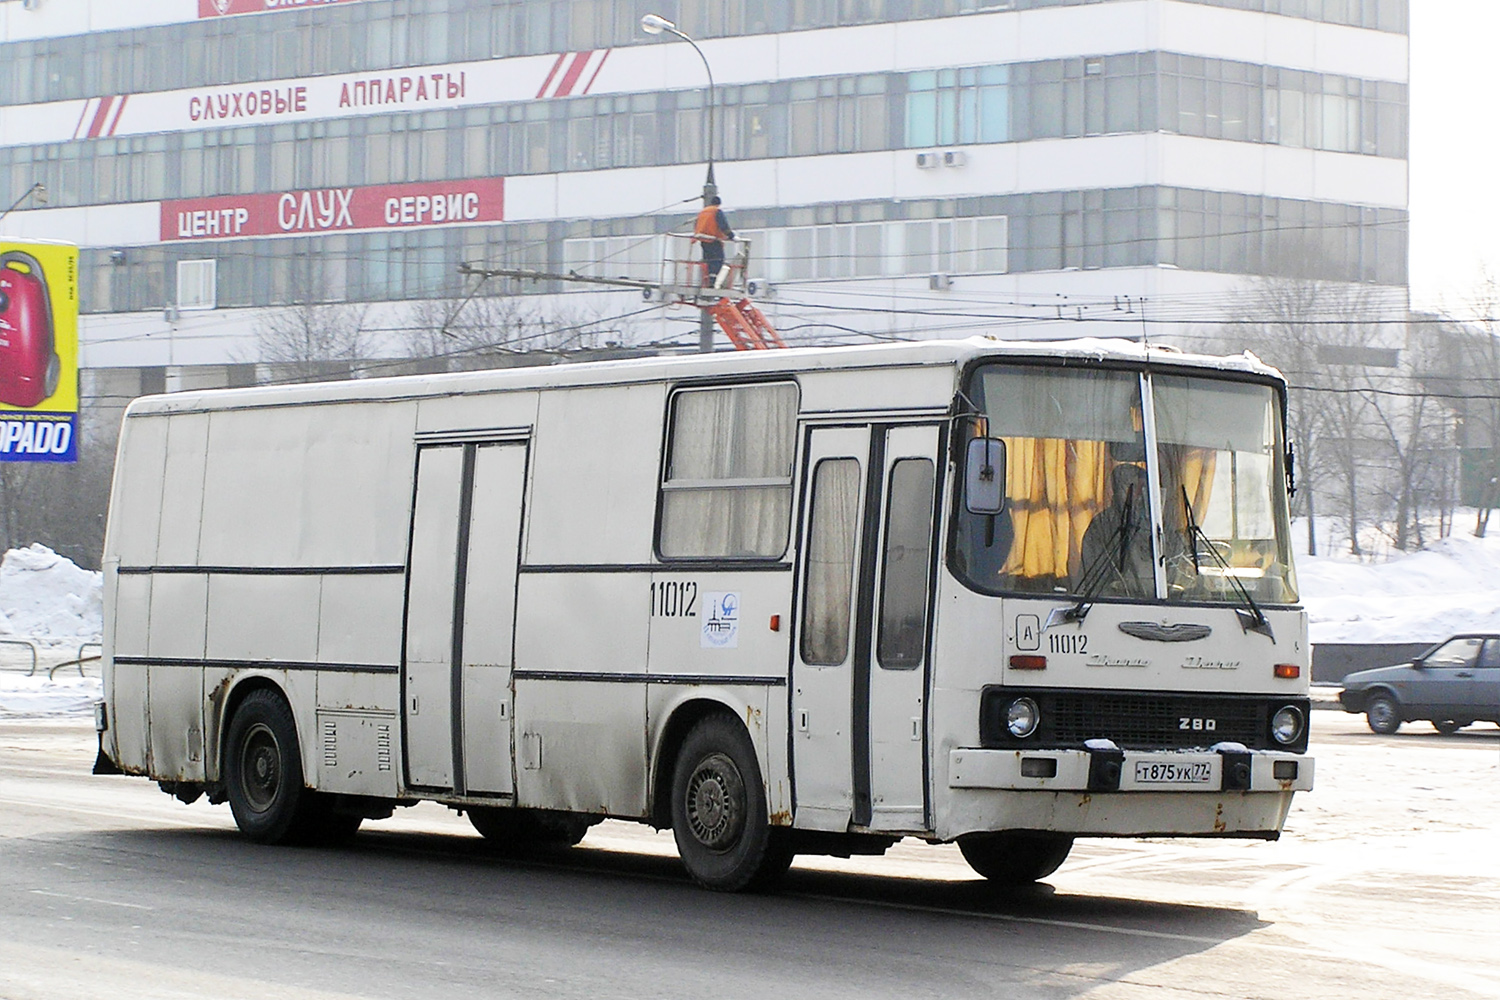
(719, 810)
(263, 778)
(1015, 858)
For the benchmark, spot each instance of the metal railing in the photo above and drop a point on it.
(28, 644)
(685, 274)
(35, 649)
(79, 661)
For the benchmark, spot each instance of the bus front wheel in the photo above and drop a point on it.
(1015, 858)
(719, 810)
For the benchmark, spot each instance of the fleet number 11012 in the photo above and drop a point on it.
(1066, 642)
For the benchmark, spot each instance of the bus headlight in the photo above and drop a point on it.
(1286, 724)
(1022, 717)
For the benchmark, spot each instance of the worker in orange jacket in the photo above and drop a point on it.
(711, 229)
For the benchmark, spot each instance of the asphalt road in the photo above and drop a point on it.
(1387, 884)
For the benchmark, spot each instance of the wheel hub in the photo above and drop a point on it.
(260, 768)
(716, 803)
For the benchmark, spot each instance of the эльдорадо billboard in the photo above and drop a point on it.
(38, 352)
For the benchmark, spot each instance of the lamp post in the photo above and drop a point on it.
(655, 24)
(39, 192)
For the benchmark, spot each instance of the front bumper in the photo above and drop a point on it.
(1186, 771)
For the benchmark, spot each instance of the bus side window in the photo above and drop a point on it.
(728, 486)
(906, 563)
(833, 528)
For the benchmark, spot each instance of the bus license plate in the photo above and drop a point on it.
(1173, 772)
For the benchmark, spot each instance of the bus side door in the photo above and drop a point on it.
(859, 676)
(460, 618)
(896, 591)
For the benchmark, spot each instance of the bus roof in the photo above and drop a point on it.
(724, 364)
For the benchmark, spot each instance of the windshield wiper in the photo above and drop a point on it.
(1251, 620)
(1097, 571)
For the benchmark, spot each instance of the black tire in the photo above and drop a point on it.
(1383, 714)
(263, 775)
(1015, 858)
(515, 831)
(1448, 726)
(719, 810)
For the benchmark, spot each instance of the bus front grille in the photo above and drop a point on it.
(1136, 720)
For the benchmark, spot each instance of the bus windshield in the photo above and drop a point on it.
(1219, 452)
(1079, 517)
(1074, 483)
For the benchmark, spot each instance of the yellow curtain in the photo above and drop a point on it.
(1055, 486)
(1191, 468)
(1197, 467)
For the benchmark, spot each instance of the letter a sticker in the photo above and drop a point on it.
(1028, 632)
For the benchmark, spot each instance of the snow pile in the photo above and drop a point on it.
(23, 697)
(47, 596)
(1453, 586)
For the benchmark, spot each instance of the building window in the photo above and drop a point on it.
(728, 487)
(197, 284)
(977, 245)
(635, 257)
(958, 106)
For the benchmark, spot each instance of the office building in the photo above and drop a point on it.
(241, 173)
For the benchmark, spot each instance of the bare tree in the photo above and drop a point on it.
(311, 341)
(485, 331)
(1344, 420)
(1315, 331)
(61, 505)
(1373, 437)
(1475, 347)
(1415, 436)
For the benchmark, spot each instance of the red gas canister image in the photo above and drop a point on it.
(29, 364)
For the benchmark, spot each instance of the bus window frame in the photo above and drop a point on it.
(669, 422)
(963, 410)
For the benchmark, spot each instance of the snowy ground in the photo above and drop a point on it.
(23, 697)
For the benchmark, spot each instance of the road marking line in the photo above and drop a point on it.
(1011, 918)
(139, 816)
(89, 899)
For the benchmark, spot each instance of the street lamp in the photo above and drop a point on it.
(39, 192)
(655, 24)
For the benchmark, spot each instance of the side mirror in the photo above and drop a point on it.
(984, 476)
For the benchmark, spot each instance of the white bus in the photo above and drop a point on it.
(802, 601)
